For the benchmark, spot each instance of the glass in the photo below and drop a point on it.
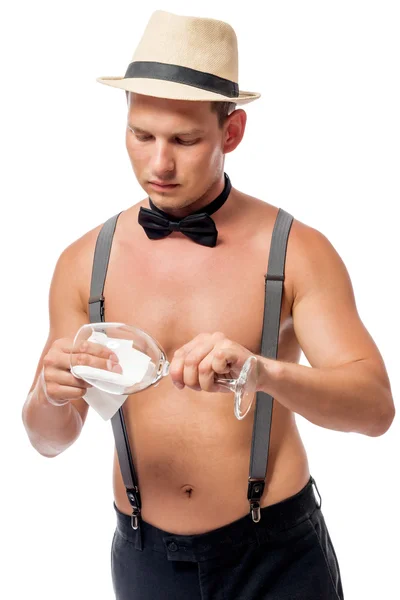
(143, 363)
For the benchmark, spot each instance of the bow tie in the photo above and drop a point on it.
(199, 227)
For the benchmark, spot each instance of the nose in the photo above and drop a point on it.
(163, 161)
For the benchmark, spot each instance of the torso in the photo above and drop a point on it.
(190, 452)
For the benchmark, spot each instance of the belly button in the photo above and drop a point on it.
(187, 489)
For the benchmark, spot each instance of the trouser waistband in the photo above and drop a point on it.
(275, 518)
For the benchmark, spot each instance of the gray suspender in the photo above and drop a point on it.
(269, 348)
(96, 315)
(274, 279)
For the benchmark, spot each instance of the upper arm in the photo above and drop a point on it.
(67, 312)
(325, 317)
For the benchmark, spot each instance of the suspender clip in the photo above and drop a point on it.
(315, 485)
(134, 499)
(255, 489)
(100, 299)
(135, 518)
(254, 492)
(255, 511)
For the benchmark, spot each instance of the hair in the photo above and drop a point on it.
(223, 109)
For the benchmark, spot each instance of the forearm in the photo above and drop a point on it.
(51, 429)
(344, 398)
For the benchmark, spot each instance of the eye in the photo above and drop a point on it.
(145, 138)
(186, 143)
(141, 138)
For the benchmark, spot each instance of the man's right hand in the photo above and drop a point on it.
(59, 385)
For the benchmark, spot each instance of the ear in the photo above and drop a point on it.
(234, 129)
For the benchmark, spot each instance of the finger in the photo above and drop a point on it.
(192, 361)
(225, 358)
(176, 371)
(183, 350)
(58, 394)
(64, 378)
(177, 363)
(207, 375)
(94, 349)
(90, 360)
(217, 336)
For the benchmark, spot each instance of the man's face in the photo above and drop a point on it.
(174, 142)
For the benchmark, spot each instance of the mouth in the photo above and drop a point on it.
(163, 187)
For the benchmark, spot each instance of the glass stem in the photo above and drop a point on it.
(228, 383)
(165, 368)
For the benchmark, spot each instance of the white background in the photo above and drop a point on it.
(322, 142)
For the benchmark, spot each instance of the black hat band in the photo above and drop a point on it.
(179, 74)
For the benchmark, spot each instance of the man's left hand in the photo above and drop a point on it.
(209, 355)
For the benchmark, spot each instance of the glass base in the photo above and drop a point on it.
(246, 387)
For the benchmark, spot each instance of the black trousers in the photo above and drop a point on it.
(288, 555)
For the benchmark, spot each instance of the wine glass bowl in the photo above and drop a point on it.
(140, 357)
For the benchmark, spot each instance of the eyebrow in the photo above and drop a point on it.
(179, 133)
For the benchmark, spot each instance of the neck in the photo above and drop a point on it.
(209, 196)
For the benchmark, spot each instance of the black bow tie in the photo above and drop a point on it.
(198, 226)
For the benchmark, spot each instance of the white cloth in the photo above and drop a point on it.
(134, 365)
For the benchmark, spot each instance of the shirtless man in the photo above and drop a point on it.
(205, 307)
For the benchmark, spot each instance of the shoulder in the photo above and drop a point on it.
(81, 250)
(74, 265)
(306, 240)
(75, 262)
(312, 261)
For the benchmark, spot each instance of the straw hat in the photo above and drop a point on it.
(185, 58)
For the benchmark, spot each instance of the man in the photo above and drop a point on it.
(201, 295)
